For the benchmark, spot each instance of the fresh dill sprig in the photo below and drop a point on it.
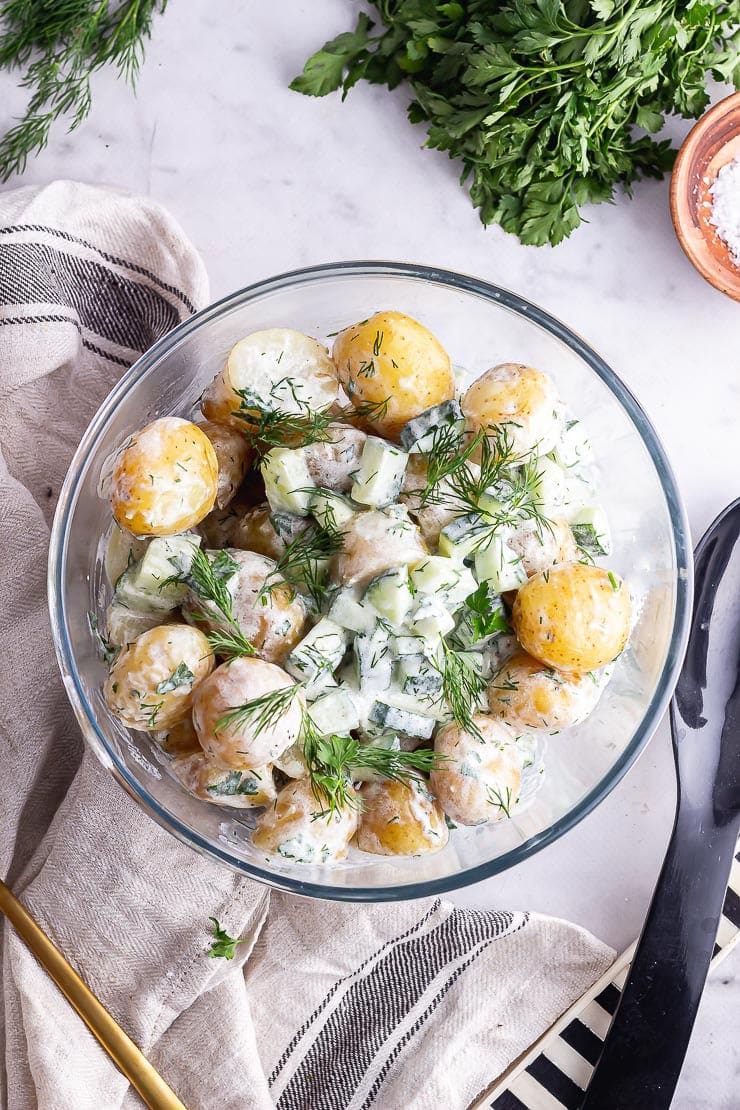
(445, 455)
(208, 579)
(108, 651)
(260, 713)
(503, 800)
(62, 45)
(267, 427)
(300, 565)
(462, 685)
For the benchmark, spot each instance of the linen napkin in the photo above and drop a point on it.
(326, 1006)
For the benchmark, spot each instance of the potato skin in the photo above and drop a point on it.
(541, 549)
(520, 397)
(400, 819)
(573, 617)
(331, 463)
(240, 745)
(234, 455)
(529, 695)
(273, 628)
(247, 788)
(152, 659)
(392, 358)
(373, 542)
(246, 529)
(430, 518)
(292, 828)
(477, 782)
(165, 479)
(181, 739)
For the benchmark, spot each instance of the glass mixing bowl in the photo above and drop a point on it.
(480, 325)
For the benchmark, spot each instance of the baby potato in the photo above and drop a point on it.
(247, 788)
(574, 617)
(296, 827)
(151, 684)
(478, 782)
(182, 739)
(283, 368)
(249, 741)
(530, 695)
(165, 479)
(332, 463)
(400, 819)
(430, 518)
(541, 548)
(233, 454)
(273, 623)
(392, 358)
(248, 530)
(519, 397)
(373, 542)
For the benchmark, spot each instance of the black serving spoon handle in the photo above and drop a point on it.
(646, 1045)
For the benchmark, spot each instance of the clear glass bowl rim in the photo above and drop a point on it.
(105, 752)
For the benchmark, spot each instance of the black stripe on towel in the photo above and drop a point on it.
(507, 1101)
(54, 232)
(579, 1037)
(376, 1004)
(731, 908)
(556, 1083)
(122, 311)
(609, 999)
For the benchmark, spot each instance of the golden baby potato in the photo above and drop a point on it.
(165, 479)
(234, 455)
(373, 542)
(332, 462)
(520, 398)
(392, 358)
(529, 695)
(247, 529)
(152, 683)
(540, 547)
(431, 518)
(280, 369)
(298, 827)
(272, 619)
(478, 781)
(253, 738)
(181, 739)
(400, 819)
(574, 617)
(247, 788)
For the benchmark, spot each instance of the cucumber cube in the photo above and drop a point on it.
(330, 508)
(402, 720)
(373, 661)
(408, 645)
(590, 528)
(379, 478)
(288, 483)
(421, 433)
(573, 448)
(501, 567)
(319, 653)
(390, 596)
(432, 620)
(550, 487)
(335, 713)
(350, 612)
(462, 536)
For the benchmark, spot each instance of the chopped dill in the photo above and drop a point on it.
(208, 579)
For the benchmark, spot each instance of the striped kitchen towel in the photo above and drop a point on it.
(327, 1006)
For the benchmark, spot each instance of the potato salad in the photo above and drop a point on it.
(350, 591)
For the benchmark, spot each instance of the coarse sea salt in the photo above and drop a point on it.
(725, 215)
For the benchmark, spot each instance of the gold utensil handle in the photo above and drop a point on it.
(127, 1057)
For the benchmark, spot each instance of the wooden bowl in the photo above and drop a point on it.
(711, 144)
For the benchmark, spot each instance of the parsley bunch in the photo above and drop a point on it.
(548, 104)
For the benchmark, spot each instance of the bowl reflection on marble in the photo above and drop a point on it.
(480, 325)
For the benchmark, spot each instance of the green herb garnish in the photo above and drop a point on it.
(223, 947)
(301, 564)
(462, 685)
(485, 613)
(260, 713)
(548, 104)
(181, 676)
(267, 427)
(107, 650)
(208, 578)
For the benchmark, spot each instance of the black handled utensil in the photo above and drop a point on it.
(646, 1045)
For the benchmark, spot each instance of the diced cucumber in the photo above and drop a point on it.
(335, 713)
(550, 486)
(408, 645)
(437, 575)
(501, 567)
(462, 535)
(390, 595)
(417, 676)
(141, 586)
(331, 508)
(121, 551)
(379, 478)
(373, 661)
(579, 495)
(288, 526)
(350, 612)
(490, 502)
(573, 449)
(590, 528)
(319, 653)
(123, 625)
(288, 483)
(432, 620)
(478, 626)
(421, 433)
(402, 720)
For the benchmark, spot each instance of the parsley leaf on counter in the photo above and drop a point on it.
(540, 99)
(223, 946)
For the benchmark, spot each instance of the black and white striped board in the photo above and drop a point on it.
(556, 1070)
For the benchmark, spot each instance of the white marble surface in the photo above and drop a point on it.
(264, 180)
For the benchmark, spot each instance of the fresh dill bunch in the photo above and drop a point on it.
(301, 564)
(462, 686)
(465, 482)
(269, 426)
(62, 45)
(208, 579)
(260, 713)
(444, 456)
